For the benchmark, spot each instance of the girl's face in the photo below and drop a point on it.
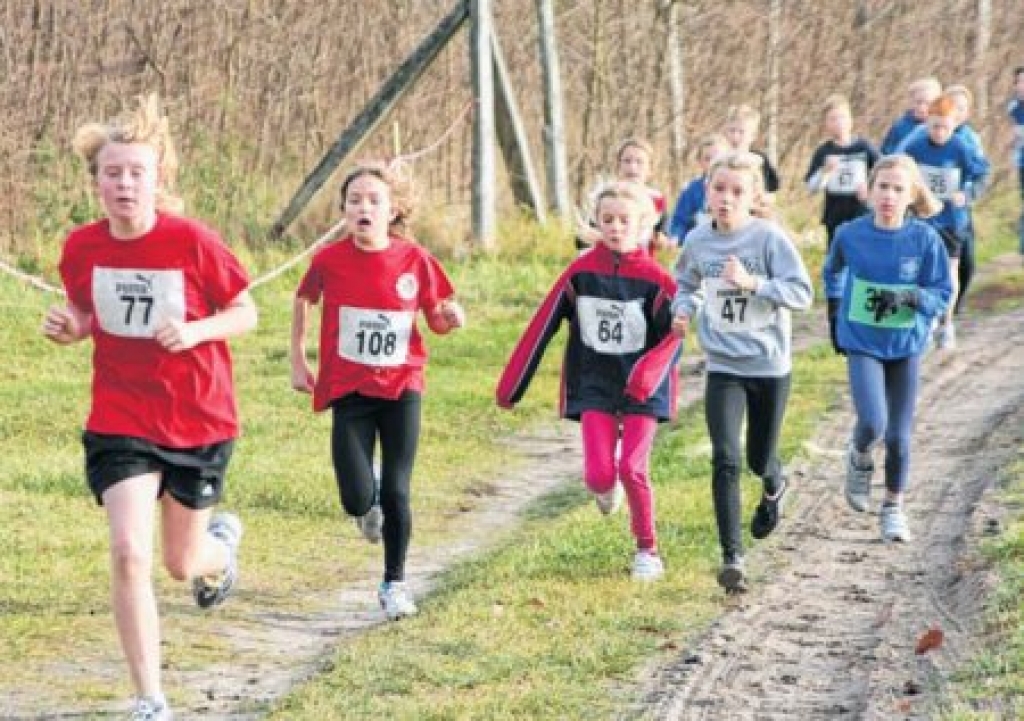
(368, 212)
(634, 164)
(838, 123)
(940, 128)
(890, 195)
(707, 156)
(963, 107)
(730, 197)
(740, 134)
(126, 182)
(920, 99)
(618, 219)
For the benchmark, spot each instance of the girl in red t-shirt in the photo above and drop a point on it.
(158, 294)
(372, 283)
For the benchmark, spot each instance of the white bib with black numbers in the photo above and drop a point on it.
(374, 337)
(731, 310)
(851, 173)
(943, 182)
(613, 327)
(132, 303)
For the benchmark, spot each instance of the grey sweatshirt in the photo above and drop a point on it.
(743, 333)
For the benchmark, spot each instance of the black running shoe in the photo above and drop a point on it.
(768, 512)
(732, 576)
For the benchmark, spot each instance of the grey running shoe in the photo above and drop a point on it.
(211, 591)
(610, 501)
(859, 469)
(395, 601)
(647, 566)
(732, 576)
(893, 524)
(146, 709)
(372, 524)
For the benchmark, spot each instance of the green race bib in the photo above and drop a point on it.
(866, 308)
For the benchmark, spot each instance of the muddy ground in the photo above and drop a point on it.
(829, 627)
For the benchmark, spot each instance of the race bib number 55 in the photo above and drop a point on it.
(133, 303)
(374, 337)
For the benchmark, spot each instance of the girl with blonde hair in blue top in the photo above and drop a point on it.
(886, 277)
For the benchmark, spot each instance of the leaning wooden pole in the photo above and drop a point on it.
(484, 191)
(515, 147)
(554, 122)
(374, 112)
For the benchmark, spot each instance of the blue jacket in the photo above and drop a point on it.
(691, 203)
(955, 166)
(900, 129)
(909, 257)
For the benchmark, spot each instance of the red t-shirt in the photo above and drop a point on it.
(179, 270)
(369, 342)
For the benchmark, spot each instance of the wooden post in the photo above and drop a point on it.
(482, 63)
(554, 123)
(774, 61)
(512, 139)
(374, 112)
(677, 85)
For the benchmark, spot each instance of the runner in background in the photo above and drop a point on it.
(740, 130)
(158, 294)
(886, 277)
(691, 206)
(920, 95)
(618, 375)
(1015, 109)
(372, 284)
(739, 278)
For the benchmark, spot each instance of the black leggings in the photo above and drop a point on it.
(965, 272)
(358, 422)
(726, 398)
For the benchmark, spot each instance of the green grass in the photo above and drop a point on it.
(547, 625)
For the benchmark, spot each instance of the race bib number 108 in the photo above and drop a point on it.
(133, 303)
(374, 337)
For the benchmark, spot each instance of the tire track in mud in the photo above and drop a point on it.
(829, 630)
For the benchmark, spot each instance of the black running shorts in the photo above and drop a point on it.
(193, 476)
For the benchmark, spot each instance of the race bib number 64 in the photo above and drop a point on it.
(614, 327)
(132, 303)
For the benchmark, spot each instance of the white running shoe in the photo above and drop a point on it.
(893, 524)
(147, 709)
(610, 501)
(372, 524)
(945, 336)
(647, 566)
(859, 469)
(210, 591)
(395, 601)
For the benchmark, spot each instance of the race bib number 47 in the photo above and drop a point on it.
(374, 337)
(133, 303)
(614, 327)
(731, 310)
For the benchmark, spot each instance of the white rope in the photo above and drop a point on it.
(409, 157)
(41, 284)
(269, 276)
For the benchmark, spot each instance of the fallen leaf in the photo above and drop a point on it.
(930, 640)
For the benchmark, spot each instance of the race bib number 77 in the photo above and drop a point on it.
(132, 303)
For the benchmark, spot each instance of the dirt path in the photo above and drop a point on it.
(830, 629)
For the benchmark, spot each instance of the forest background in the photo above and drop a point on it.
(258, 90)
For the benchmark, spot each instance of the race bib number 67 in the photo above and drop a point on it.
(133, 303)
(374, 337)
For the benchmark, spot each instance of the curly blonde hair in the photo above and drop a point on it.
(146, 125)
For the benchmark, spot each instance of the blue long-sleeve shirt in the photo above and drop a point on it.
(949, 168)
(864, 260)
(692, 202)
(901, 128)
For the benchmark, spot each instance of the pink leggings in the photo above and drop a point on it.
(600, 433)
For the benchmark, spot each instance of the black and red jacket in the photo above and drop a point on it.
(621, 353)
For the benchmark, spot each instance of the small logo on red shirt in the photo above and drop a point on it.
(407, 286)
